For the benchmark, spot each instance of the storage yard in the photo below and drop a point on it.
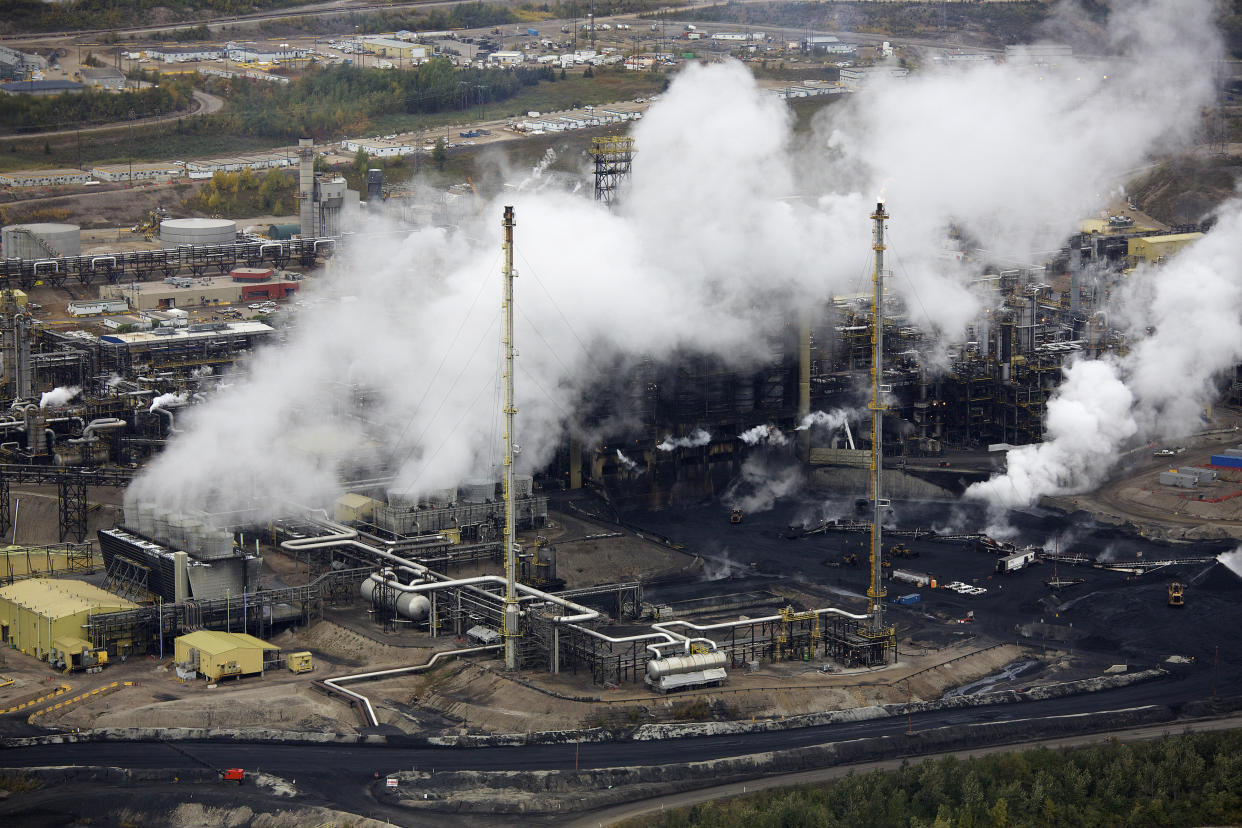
(607, 460)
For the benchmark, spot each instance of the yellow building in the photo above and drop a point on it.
(353, 507)
(35, 613)
(1157, 249)
(216, 655)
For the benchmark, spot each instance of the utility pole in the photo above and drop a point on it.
(510, 541)
(876, 591)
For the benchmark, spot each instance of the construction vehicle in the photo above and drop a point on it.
(735, 516)
(850, 559)
(1177, 597)
(233, 775)
(900, 550)
(150, 224)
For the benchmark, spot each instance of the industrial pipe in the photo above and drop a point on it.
(172, 425)
(100, 424)
(333, 683)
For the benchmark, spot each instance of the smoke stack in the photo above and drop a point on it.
(1075, 264)
(375, 187)
(306, 185)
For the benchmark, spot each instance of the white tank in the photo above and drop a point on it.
(523, 484)
(177, 530)
(402, 499)
(197, 231)
(159, 527)
(215, 544)
(674, 665)
(479, 490)
(41, 241)
(440, 498)
(409, 605)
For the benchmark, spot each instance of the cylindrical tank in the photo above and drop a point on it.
(402, 499)
(159, 527)
(675, 665)
(280, 232)
(41, 241)
(523, 484)
(440, 498)
(197, 231)
(177, 529)
(214, 544)
(146, 519)
(479, 490)
(409, 605)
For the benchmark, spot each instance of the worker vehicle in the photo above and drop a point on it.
(233, 775)
(900, 550)
(735, 516)
(1177, 596)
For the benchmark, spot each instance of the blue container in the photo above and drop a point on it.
(907, 600)
(1227, 461)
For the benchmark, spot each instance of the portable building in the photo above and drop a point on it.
(216, 655)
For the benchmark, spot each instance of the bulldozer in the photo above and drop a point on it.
(1177, 596)
(735, 516)
(900, 550)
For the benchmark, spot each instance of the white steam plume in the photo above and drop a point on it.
(1232, 561)
(165, 400)
(59, 396)
(694, 439)
(763, 434)
(828, 419)
(760, 484)
(1011, 155)
(1157, 390)
(625, 461)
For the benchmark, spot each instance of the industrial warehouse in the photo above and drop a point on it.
(804, 451)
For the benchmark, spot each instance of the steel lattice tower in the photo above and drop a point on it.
(614, 155)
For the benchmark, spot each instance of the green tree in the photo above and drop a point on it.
(361, 161)
(439, 153)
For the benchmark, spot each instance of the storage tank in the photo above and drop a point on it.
(479, 490)
(215, 544)
(178, 528)
(409, 605)
(402, 499)
(280, 232)
(658, 668)
(440, 498)
(523, 484)
(41, 241)
(197, 231)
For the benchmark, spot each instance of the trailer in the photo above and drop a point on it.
(908, 576)
(908, 600)
(1018, 560)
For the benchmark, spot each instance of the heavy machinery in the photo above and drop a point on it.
(1177, 596)
(735, 516)
(900, 550)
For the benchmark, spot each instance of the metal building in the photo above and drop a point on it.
(216, 655)
(41, 614)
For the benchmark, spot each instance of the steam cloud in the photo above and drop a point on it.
(831, 420)
(694, 439)
(625, 461)
(406, 382)
(763, 434)
(1157, 390)
(165, 400)
(59, 396)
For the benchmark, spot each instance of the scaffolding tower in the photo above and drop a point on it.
(614, 156)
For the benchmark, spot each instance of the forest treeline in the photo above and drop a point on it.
(1177, 781)
(36, 113)
(339, 99)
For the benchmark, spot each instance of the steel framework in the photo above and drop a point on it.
(614, 156)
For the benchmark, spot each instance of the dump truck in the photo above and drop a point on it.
(735, 516)
(1177, 596)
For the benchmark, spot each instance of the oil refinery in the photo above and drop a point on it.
(824, 440)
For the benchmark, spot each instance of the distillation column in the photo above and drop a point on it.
(511, 600)
(876, 591)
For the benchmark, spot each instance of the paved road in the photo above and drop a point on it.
(340, 776)
(207, 104)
